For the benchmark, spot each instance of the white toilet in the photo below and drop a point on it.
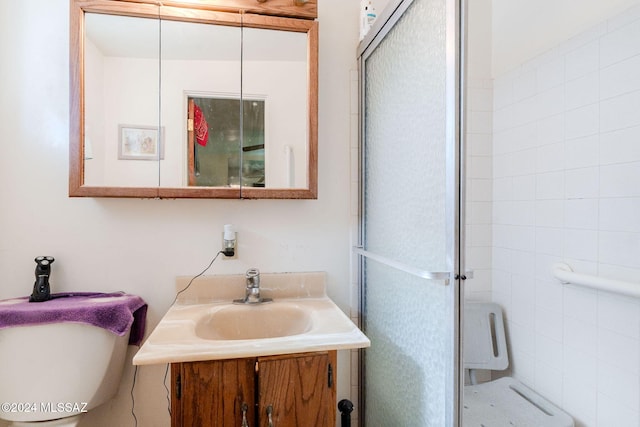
(505, 402)
(51, 374)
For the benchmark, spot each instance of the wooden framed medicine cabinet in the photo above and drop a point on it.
(140, 68)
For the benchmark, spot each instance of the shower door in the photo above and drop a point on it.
(410, 213)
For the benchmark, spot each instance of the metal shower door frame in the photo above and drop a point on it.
(455, 172)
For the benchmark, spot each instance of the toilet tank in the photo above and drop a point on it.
(57, 370)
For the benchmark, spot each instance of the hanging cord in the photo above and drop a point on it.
(166, 372)
(133, 399)
(164, 382)
(196, 276)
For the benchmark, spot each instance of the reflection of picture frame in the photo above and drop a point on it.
(140, 143)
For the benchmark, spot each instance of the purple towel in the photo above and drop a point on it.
(118, 312)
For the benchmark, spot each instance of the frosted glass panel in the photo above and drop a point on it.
(408, 363)
(405, 134)
(409, 369)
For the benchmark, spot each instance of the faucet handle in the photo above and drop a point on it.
(253, 277)
(252, 290)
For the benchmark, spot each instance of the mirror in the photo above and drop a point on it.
(121, 101)
(174, 102)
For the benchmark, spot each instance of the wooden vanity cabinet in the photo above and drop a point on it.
(293, 390)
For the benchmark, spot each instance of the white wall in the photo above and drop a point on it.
(524, 28)
(128, 95)
(139, 246)
(566, 168)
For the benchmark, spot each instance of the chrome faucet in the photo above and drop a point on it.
(252, 290)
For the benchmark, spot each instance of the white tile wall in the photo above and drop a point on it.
(566, 187)
(479, 186)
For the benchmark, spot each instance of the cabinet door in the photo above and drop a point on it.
(212, 393)
(301, 390)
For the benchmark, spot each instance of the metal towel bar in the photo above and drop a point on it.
(565, 274)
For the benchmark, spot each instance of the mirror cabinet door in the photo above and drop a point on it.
(122, 146)
(115, 140)
(200, 108)
(280, 67)
(276, 130)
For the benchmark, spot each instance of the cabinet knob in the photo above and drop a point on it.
(300, 2)
(245, 408)
(269, 412)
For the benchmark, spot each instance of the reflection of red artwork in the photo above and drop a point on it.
(200, 126)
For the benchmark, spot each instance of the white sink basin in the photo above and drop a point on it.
(204, 324)
(251, 322)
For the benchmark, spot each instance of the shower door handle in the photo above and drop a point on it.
(423, 274)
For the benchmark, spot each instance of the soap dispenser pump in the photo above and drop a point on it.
(41, 288)
(367, 17)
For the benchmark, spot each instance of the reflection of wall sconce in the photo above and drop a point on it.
(232, 135)
(88, 148)
(290, 174)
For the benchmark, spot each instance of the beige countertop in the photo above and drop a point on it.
(185, 333)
